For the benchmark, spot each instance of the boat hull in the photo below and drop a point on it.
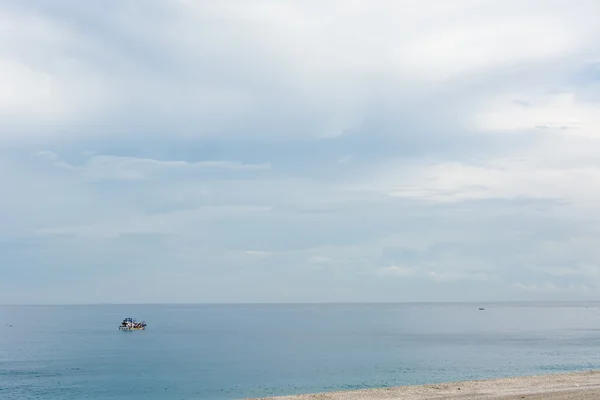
(122, 328)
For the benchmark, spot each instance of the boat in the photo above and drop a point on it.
(481, 308)
(130, 324)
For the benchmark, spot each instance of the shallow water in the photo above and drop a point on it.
(235, 351)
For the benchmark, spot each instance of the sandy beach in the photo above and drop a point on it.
(572, 386)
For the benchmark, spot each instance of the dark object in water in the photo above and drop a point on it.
(481, 308)
(130, 324)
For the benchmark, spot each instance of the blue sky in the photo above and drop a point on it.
(266, 151)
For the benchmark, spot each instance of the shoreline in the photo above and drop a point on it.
(565, 386)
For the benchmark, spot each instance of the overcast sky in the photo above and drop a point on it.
(281, 150)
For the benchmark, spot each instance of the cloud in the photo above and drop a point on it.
(550, 288)
(457, 276)
(543, 172)
(319, 259)
(107, 167)
(258, 253)
(299, 151)
(170, 223)
(551, 111)
(146, 76)
(396, 271)
(437, 273)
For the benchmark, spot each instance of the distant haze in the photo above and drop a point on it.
(268, 151)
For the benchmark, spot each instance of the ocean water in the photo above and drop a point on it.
(238, 351)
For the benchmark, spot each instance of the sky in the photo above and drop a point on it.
(299, 151)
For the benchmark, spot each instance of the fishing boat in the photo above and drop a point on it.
(130, 324)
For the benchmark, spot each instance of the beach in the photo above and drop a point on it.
(571, 386)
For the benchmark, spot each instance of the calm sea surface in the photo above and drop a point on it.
(236, 351)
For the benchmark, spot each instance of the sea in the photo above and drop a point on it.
(234, 351)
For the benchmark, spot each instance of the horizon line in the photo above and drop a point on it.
(483, 302)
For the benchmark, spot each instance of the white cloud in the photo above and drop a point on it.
(170, 223)
(559, 111)
(258, 253)
(591, 273)
(549, 287)
(319, 259)
(494, 42)
(444, 274)
(397, 271)
(558, 169)
(23, 87)
(303, 149)
(106, 167)
(356, 56)
(454, 276)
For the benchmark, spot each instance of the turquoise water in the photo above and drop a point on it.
(236, 351)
